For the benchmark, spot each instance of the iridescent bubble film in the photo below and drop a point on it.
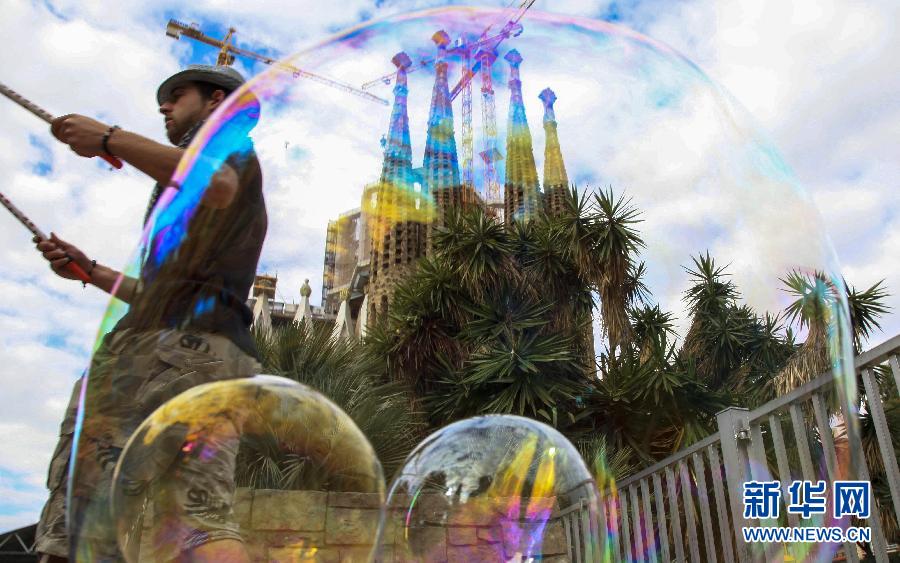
(259, 469)
(702, 260)
(493, 488)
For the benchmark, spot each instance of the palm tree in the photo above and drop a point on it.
(653, 330)
(616, 241)
(493, 321)
(814, 310)
(711, 340)
(498, 319)
(345, 372)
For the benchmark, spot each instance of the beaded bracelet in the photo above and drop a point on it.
(89, 273)
(105, 142)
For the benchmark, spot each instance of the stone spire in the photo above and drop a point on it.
(262, 316)
(263, 290)
(397, 165)
(441, 162)
(304, 311)
(521, 190)
(396, 215)
(343, 324)
(556, 181)
(362, 321)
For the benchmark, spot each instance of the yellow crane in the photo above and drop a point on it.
(227, 51)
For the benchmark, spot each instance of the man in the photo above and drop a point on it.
(187, 323)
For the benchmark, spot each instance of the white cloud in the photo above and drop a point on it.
(820, 77)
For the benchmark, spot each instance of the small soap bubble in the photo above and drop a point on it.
(496, 488)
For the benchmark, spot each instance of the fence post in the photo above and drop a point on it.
(734, 435)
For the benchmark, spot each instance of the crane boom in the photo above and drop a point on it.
(389, 77)
(512, 29)
(176, 29)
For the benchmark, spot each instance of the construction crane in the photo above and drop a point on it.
(227, 50)
(468, 51)
(389, 77)
(484, 50)
(489, 154)
(512, 28)
(427, 61)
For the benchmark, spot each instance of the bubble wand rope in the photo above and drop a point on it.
(46, 116)
(71, 266)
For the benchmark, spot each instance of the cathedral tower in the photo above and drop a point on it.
(440, 165)
(394, 208)
(556, 181)
(521, 191)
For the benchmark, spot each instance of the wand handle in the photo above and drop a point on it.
(79, 272)
(46, 116)
(21, 217)
(71, 266)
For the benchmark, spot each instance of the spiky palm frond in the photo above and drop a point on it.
(635, 288)
(815, 295)
(575, 225)
(653, 407)
(607, 464)
(719, 328)
(652, 329)
(501, 314)
(524, 372)
(478, 247)
(725, 340)
(616, 241)
(769, 348)
(710, 291)
(811, 310)
(353, 378)
(866, 307)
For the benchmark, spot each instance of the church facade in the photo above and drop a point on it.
(368, 250)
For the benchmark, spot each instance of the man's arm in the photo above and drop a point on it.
(159, 162)
(105, 278)
(85, 136)
(59, 253)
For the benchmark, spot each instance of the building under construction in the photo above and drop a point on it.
(369, 249)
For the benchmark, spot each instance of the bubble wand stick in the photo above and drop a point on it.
(71, 266)
(46, 116)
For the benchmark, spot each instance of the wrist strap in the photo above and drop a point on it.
(106, 136)
(90, 274)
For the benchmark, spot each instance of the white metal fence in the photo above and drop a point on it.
(689, 506)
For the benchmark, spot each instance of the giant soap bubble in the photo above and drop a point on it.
(695, 248)
(493, 488)
(260, 468)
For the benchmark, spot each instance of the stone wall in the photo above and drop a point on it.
(338, 527)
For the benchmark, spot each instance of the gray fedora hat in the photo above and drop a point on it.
(224, 76)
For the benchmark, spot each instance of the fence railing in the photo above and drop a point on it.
(580, 528)
(18, 545)
(689, 506)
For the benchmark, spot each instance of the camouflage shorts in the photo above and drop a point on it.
(131, 374)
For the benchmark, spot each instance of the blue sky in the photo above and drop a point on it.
(818, 76)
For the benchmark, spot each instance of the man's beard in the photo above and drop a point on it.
(181, 128)
(176, 132)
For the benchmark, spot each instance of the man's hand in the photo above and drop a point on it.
(222, 188)
(59, 253)
(83, 134)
